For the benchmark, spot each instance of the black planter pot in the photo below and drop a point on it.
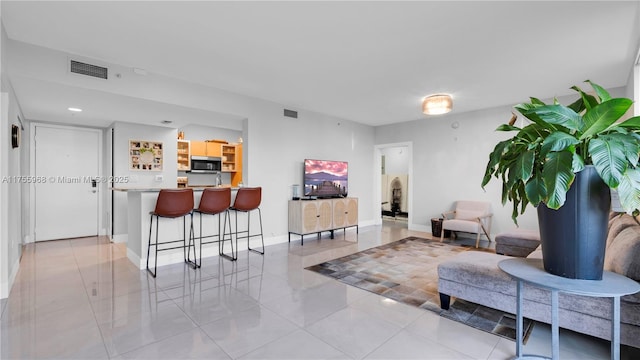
(574, 236)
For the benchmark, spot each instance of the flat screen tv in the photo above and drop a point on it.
(325, 178)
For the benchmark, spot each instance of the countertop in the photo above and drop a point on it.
(157, 189)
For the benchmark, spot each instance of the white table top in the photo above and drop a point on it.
(152, 189)
(532, 271)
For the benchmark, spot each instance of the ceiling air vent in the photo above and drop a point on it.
(88, 69)
(290, 113)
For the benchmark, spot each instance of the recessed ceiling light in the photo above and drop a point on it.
(74, 109)
(166, 122)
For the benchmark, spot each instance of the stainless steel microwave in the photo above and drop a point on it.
(206, 164)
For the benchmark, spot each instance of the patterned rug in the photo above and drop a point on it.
(407, 271)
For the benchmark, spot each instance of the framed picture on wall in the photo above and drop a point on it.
(145, 155)
(15, 136)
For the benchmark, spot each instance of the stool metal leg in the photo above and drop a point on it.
(248, 231)
(153, 273)
(261, 235)
(234, 255)
(187, 251)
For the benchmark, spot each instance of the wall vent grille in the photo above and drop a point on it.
(290, 113)
(89, 70)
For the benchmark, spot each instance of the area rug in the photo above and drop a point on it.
(407, 271)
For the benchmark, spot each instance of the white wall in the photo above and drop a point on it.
(449, 163)
(277, 146)
(10, 188)
(450, 153)
(396, 159)
(123, 132)
(202, 133)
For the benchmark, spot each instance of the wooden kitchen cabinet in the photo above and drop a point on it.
(205, 148)
(184, 155)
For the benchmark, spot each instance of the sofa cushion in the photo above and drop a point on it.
(477, 268)
(618, 223)
(462, 214)
(623, 254)
(461, 225)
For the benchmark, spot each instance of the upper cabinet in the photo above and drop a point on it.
(228, 157)
(205, 148)
(184, 155)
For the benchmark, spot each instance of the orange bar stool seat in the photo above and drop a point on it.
(248, 200)
(216, 201)
(173, 204)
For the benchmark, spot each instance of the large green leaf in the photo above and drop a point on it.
(525, 110)
(632, 124)
(507, 127)
(584, 102)
(559, 115)
(524, 166)
(536, 191)
(629, 190)
(494, 159)
(558, 176)
(600, 91)
(603, 116)
(578, 163)
(609, 158)
(557, 141)
(630, 146)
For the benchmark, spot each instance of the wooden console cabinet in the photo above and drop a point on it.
(315, 216)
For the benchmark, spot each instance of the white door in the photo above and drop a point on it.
(66, 200)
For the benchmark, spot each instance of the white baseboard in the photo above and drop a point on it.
(5, 287)
(422, 228)
(119, 238)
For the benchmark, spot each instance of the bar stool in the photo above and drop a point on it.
(173, 203)
(215, 201)
(247, 200)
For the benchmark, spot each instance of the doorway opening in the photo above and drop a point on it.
(392, 183)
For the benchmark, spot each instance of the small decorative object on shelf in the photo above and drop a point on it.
(295, 189)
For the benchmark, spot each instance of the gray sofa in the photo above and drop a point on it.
(475, 276)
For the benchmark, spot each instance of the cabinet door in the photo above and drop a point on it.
(339, 213)
(198, 148)
(316, 216)
(213, 149)
(351, 211)
(325, 212)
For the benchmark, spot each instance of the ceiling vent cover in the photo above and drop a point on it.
(88, 69)
(290, 113)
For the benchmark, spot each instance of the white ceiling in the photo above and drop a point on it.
(370, 62)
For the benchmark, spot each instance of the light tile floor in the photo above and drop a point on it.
(82, 298)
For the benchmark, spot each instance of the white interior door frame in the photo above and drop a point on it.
(32, 170)
(377, 185)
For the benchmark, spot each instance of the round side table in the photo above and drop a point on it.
(532, 271)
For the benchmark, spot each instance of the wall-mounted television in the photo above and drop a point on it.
(325, 178)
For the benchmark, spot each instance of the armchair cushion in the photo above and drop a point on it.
(470, 217)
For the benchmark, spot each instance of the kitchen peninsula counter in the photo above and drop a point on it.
(141, 201)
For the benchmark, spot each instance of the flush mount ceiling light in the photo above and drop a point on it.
(437, 104)
(74, 109)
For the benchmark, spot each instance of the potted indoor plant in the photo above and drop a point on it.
(566, 157)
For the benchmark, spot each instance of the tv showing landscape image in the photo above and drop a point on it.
(325, 178)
